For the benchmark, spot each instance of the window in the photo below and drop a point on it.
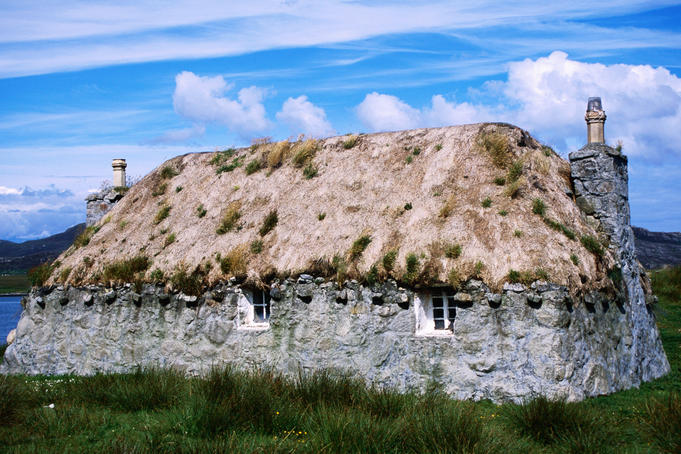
(444, 309)
(261, 307)
(435, 312)
(253, 310)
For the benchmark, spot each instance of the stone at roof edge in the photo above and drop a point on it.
(591, 149)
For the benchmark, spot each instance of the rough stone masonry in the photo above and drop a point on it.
(599, 175)
(600, 178)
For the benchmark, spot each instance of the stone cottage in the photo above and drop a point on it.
(471, 257)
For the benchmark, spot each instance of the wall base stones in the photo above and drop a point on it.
(518, 344)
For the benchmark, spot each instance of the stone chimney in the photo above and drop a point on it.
(99, 203)
(119, 166)
(595, 121)
(600, 178)
(599, 175)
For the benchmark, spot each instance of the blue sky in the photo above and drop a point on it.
(84, 82)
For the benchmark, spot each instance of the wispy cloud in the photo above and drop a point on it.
(31, 20)
(43, 37)
(528, 38)
(417, 74)
(82, 119)
(180, 135)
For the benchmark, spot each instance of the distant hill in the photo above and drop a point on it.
(18, 257)
(657, 249)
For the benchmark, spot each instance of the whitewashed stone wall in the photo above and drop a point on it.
(521, 343)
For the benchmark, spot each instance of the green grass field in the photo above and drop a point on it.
(14, 283)
(236, 412)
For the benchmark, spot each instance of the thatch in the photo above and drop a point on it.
(417, 192)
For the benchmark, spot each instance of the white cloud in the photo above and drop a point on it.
(29, 224)
(51, 192)
(9, 191)
(442, 113)
(379, 112)
(202, 100)
(643, 103)
(301, 116)
(548, 97)
(28, 213)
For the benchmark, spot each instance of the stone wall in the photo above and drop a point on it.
(99, 203)
(599, 175)
(519, 343)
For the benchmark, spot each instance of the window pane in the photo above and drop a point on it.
(439, 324)
(261, 306)
(437, 301)
(439, 313)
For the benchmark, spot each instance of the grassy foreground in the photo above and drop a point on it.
(261, 412)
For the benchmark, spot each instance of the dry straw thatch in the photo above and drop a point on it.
(409, 194)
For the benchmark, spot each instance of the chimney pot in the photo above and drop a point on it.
(594, 104)
(119, 166)
(595, 121)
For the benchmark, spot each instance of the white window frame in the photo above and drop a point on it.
(435, 312)
(248, 309)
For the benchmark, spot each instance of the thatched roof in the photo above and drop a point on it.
(419, 192)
